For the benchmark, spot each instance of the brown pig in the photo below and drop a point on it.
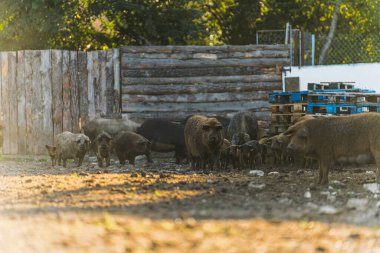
(128, 145)
(329, 138)
(52, 151)
(70, 145)
(103, 147)
(203, 139)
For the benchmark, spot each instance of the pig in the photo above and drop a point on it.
(279, 145)
(250, 154)
(159, 131)
(224, 153)
(52, 151)
(111, 126)
(103, 147)
(128, 145)
(329, 138)
(233, 154)
(240, 138)
(225, 121)
(243, 121)
(70, 145)
(204, 140)
(264, 143)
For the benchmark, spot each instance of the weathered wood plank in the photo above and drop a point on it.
(47, 133)
(198, 98)
(206, 88)
(57, 78)
(21, 103)
(117, 84)
(37, 111)
(213, 56)
(29, 100)
(92, 58)
(83, 88)
(198, 107)
(13, 123)
(200, 49)
(187, 72)
(109, 83)
(102, 88)
(179, 116)
(5, 101)
(66, 91)
(174, 63)
(199, 80)
(74, 92)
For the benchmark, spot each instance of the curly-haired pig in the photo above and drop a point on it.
(204, 139)
(71, 146)
(128, 145)
(103, 147)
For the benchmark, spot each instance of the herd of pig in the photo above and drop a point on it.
(219, 142)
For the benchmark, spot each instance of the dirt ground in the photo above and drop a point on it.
(164, 207)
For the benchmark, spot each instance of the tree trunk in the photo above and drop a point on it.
(331, 34)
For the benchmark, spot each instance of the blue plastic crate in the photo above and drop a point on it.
(288, 97)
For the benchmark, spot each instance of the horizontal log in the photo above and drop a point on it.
(186, 72)
(197, 107)
(212, 56)
(200, 49)
(203, 63)
(179, 116)
(200, 79)
(206, 88)
(197, 98)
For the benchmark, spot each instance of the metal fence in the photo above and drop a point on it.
(306, 48)
(350, 48)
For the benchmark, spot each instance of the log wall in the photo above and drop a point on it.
(46, 92)
(174, 82)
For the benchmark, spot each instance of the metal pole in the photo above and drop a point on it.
(300, 48)
(257, 38)
(291, 44)
(287, 33)
(312, 49)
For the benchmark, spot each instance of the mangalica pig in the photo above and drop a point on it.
(128, 145)
(245, 122)
(233, 154)
(240, 138)
(329, 138)
(278, 146)
(103, 146)
(162, 134)
(52, 151)
(204, 139)
(110, 126)
(250, 154)
(224, 153)
(71, 146)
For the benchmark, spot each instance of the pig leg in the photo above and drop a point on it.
(121, 157)
(147, 154)
(100, 161)
(131, 159)
(64, 162)
(324, 167)
(80, 160)
(108, 160)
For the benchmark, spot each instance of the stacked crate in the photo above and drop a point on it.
(336, 98)
(286, 107)
(341, 99)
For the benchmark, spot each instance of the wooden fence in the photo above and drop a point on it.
(176, 81)
(46, 92)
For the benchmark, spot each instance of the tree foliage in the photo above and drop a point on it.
(101, 24)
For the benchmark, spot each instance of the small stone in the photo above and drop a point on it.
(28, 181)
(331, 198)
(307, 195)
(273, 173)
(257, 173)
(311, 205)
(328, 210)
(285, 201)
(134, 174)
(299, 172)
(256, 186)
(374, 188)
(356, 203)
(370, 172)
(336, 184)
(378, 204)
(143, 174)
(82, 173)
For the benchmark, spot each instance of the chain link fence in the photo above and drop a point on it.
(350, 48)
(344, 48)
